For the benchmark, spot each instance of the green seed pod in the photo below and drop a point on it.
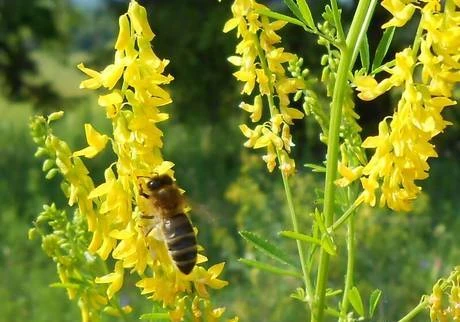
(47, 164)
(52, 173)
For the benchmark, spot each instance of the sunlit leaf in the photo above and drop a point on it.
(295, 10)
(269, 268)
(364, 53)
(306, 13)
(374, 301)
(299, 236)
(383, 47)
(266, 247)
(355, 299)
(315, 167)
(280, 16)
(154, 316)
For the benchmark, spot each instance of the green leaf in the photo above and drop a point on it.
(364, 53)
(306, 14)
(280, 16)
(269, 268)
(331, 293)
(355, 299)
(266, 247)
(383, 47)
(154, 316)
(315, 167)
(299, 294)
(332, 312)
(295, 10)
(374, 301)
(327, 243)
(65, 285)
(299, 236)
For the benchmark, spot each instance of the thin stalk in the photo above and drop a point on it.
(333, 148)
(287, 189)
(416, 310)
(345, 216)
(350, 268)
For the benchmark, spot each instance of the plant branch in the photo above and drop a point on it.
(340, 88)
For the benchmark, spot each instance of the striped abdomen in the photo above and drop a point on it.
(181, 241)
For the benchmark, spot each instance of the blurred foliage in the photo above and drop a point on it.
(228, 187)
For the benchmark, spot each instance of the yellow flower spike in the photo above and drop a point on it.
(96, 142)
(115, 279)
(402, 12)
(124, 34)
(135, 80)
(94, 82)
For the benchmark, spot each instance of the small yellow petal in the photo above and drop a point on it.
(123, 34)
(92, 83)
(95, 140)
(231, 24)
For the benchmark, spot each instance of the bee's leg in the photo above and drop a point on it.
(141, 191)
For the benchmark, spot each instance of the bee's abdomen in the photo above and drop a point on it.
(181, 242)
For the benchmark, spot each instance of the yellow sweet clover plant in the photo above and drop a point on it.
(425, 73)
(102, 241)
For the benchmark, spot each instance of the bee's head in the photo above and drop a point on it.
(159, 181)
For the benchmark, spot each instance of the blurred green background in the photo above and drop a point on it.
(40, 44)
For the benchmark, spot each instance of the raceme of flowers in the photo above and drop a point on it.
(402, 146)
(112, 209)
(261, 62)
(444, 302)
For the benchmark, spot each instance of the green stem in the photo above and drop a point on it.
(416, 310)
(345, 216)
(350, 268)
(340, 89)
(287, 189)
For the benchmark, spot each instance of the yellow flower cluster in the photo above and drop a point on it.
(134, 110)
(64, 236)
(261, 62)
(444, 302)
(403, 146)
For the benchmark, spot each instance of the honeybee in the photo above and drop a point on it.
(166, 207)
